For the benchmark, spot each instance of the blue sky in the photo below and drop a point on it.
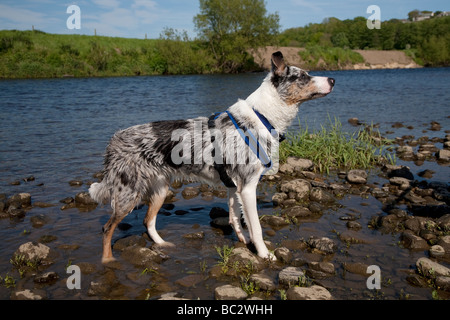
(135, 18)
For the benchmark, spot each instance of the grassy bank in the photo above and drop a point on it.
(329, 58)
(332, 148)
(35, 54)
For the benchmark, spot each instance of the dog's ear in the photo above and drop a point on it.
(278, 64)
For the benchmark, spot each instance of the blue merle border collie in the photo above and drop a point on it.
(140, 162)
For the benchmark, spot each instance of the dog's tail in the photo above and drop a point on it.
(100, 192)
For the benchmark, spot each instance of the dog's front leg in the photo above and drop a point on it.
(235, 216)
(248, 199)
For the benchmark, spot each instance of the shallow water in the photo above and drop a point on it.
(57, 130)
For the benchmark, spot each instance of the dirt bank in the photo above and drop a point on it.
(374, 59)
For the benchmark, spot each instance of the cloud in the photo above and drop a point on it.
(307, 4)
(20, 18)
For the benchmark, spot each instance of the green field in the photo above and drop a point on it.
(35, 54)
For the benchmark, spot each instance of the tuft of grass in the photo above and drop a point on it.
(332, 148)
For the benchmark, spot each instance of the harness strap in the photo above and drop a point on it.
(250, 140)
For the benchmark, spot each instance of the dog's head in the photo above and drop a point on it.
(295, 85)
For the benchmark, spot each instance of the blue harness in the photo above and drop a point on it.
(252, 142)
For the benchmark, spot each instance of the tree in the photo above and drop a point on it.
(232, 27)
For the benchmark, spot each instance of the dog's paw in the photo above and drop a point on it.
(164, 245)
(107, 260)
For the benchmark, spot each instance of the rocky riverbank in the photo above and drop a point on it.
(373, 59)
(324, 230)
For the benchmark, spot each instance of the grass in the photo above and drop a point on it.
(36, 54)
(329, 58)
(332, 148)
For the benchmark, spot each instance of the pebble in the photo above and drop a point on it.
(290, 276)
(437, 251)
(314, 292)
(431, 269)
(229, 292)
(357, 176)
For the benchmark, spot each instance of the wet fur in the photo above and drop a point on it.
(138, 162)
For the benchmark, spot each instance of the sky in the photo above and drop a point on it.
(138, 18)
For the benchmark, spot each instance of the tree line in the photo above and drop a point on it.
(428, 41)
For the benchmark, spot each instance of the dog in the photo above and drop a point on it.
(140, 162)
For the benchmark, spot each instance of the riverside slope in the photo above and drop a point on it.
(374, 59)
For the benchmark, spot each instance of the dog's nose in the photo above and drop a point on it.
(331, 81)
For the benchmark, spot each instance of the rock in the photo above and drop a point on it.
(75, 183)
(278, 198)
(300, 164)
(290, 276)
(320, 195)
(323, 244)
(243, 256)
(326, 267)
(413, 242)
(190, 192)
(286, 168)
(417, 281)
(33, 251)
(443, 155)
(354, 225)
(48, 277)
(229, 292)
(431, 269)
(405, 149)
(444, 222)
(299, 186)
(444, 242)
(437, 251)
(27, 294)
(84, 199)
(133, 240)
(308, 293)
(23, 199)
(275, 221)
(263, 281)
(443, 283)
(194, 235)
(39, 221)
(403, 183)
(283, 254)
(222, 223)
(357, 176)
(190, 280)
(356, 268)
(426, 173)
(354, 121)
(398, 171)
(142, 257)
(171, 296)
(218, 212)
(297, 212)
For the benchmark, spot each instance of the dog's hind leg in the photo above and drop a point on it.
(120, 211)
(234, 214)
(155, 203)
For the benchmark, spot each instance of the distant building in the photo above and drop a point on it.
(423, 16)
(443, 14)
